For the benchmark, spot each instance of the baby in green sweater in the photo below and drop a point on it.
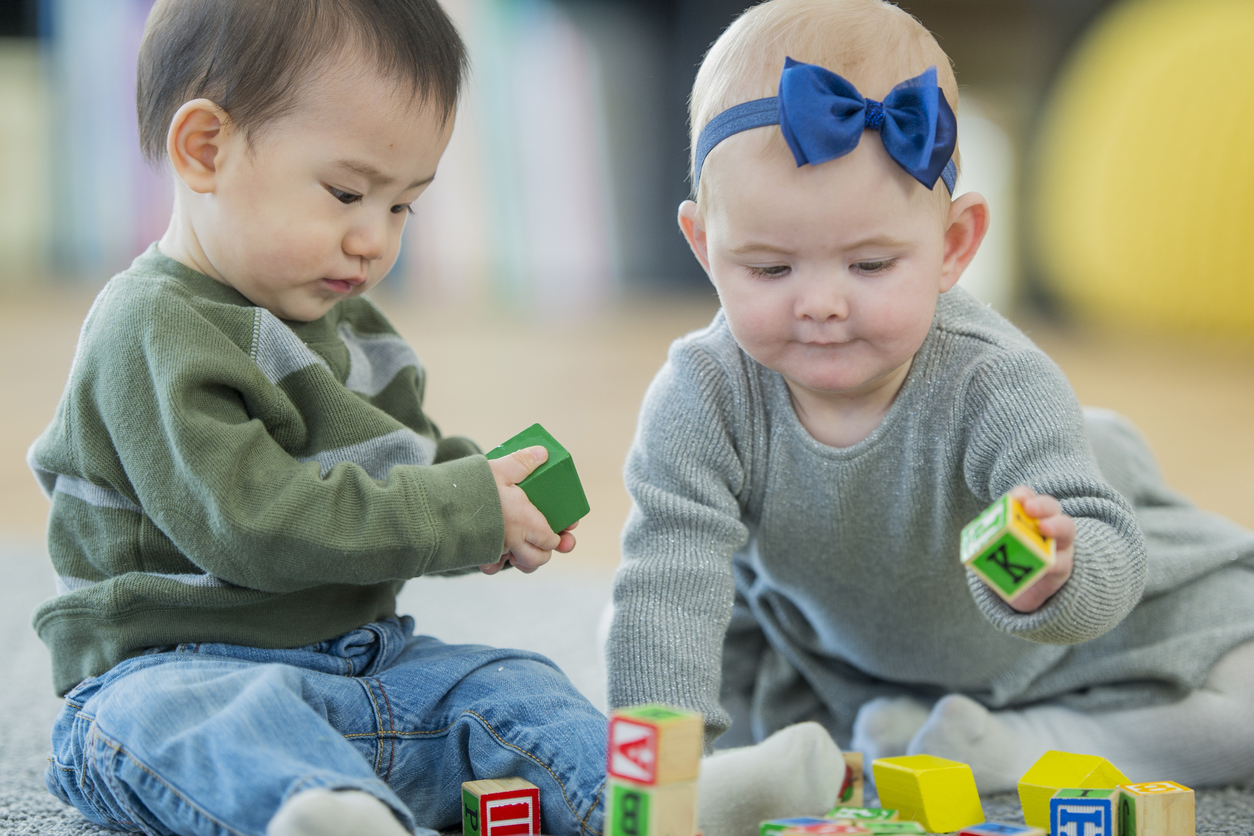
(242, 476)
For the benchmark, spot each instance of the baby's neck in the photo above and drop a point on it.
(843, 420)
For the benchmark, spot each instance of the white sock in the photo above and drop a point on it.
(885, 726)
(322, 812)
(797, 771)
(1206, 739)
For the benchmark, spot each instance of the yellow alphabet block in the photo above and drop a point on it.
(937, 793)
(1162, 808)
(1062, 770)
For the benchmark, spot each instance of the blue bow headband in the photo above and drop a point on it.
(822, 117)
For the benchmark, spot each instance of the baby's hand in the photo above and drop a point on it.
(529, 542)
(1053, 523)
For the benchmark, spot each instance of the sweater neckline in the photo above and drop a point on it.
(152, 260)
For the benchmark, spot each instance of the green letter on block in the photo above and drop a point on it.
(554, 486)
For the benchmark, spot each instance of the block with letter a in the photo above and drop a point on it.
(653, 758)
(655, 744)
(500, 807)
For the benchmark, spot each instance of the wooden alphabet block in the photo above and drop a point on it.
(655, 744)
(553, 487)
(661, 810)
(851, 791)
(1084, 812)
(939, 794)
(773, 827)
(500, 807)
(1062, 770)
(863, 814)
(894, 828)
(996, 828)
(1005, 548)
(829, 828)
(1161, 808)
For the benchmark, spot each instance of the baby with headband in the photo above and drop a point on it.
(804, 465)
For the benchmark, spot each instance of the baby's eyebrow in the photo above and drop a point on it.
(375, 176)
(758, 247)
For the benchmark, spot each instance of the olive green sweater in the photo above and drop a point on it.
(218, 474)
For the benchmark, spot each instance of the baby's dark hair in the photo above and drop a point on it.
(251, 57)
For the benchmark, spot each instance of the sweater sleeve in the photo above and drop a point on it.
(673, 592)
(1027, 428)
(202, 438)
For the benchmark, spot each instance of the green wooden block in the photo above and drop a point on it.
(1006, 549)
(893, 828)
(776, 826)
(554, 486)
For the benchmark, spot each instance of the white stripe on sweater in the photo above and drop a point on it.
(378, 455)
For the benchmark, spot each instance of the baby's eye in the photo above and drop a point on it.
(873, 267)
(343, 196)
(772, 272)
(403, 207)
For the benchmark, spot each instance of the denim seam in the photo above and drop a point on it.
(119, 749)
(391, 728)
(377, 734)
(91, 750)
(583, 824)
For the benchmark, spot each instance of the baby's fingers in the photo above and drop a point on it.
(1061, 527)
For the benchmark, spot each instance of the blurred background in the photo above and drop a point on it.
(543, 276)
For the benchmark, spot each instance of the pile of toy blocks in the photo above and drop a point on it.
(654, 755)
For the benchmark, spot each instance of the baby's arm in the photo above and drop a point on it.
(674, 591)
(1026, 429)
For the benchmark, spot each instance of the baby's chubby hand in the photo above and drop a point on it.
(1048, 514)
(529, 542)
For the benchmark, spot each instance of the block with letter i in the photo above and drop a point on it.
(1005, 548)
(500, 807)
(1084, 812)
(652, 761)
(1161, 808)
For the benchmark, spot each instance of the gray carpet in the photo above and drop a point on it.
(554, 612)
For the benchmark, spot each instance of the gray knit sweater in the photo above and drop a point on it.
(833, 573)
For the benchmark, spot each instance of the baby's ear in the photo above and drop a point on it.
(194, 143)
(694, 232)
(964, 230)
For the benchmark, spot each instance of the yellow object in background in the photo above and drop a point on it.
(1062, 770)
(1143, 192)
(937, 793)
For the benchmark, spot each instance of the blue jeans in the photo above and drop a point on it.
(212, 738)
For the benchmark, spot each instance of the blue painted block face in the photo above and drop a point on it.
(996, 828)
(1083, 813)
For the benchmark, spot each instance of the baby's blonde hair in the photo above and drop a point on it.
(872, 43)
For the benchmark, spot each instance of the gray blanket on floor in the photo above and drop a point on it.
(553, 611)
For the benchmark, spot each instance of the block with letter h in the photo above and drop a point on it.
(500, 807)
(653, 757)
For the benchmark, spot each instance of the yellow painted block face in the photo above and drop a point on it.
(939, 794)
(1062, 770)
(1161, 808)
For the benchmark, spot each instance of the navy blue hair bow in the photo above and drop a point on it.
(822, 116)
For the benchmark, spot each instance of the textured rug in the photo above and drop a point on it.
(554, 612)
